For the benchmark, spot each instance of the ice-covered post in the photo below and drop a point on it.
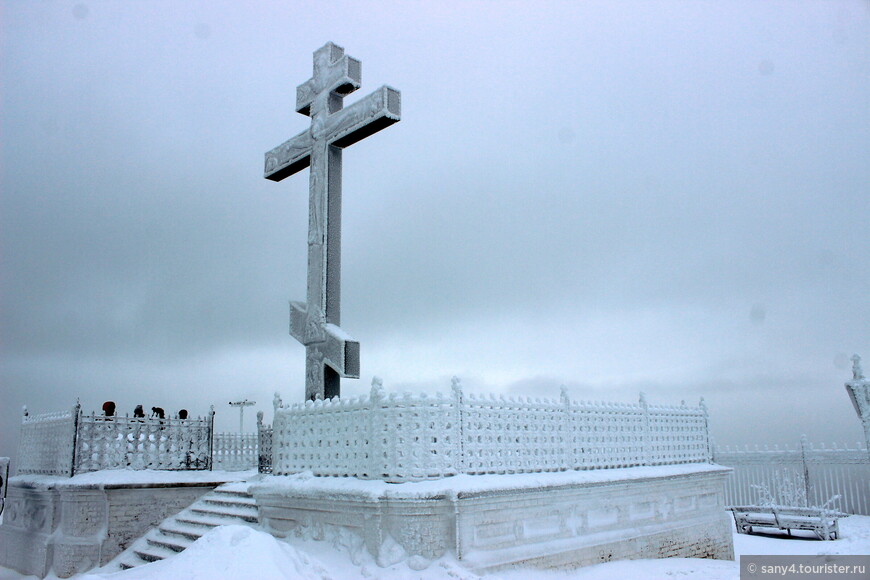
(806, 472)
(376, 448)
(647, 450)
(76, 412)
(709, 441)
(459, 462)
(859, 391)
(330, 353)
(210, 437)
(264, 447)
(567, 430)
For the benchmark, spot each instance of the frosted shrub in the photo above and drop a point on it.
(788, 488)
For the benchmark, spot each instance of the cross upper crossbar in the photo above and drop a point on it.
(330, 352)
(377, 111)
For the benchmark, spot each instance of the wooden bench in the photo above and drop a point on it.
(821, 521)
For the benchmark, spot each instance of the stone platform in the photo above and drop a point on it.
(69, 525)
(547, 520)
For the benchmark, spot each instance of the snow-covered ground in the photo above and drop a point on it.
(241, 553)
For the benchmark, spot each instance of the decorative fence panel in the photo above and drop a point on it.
(407, 437)
(69, 442)
(510, 435)
(142, 443)
(813, 474)
(47, 443)
(235, 451)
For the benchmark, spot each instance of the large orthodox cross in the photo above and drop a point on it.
(330, 352)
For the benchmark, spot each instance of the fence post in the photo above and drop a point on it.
(376, 398)
(459, 461)
(567, 430)
(75, 436)
(647, 451)
(806, 469)
(210, 437)
(259, 441)
(707, 438)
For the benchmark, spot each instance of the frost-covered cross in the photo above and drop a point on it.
(329, 352)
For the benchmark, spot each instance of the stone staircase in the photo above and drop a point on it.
(228, 504)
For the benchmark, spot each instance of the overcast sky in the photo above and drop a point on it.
(669, 197)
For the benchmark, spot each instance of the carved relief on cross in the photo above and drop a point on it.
(330, 352)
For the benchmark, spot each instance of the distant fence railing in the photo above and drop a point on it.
(817, 472)
(71, 442)
(235, 451)
(412, 437)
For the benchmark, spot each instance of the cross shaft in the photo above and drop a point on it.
(330, 352)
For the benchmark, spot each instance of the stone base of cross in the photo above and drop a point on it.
(330, 353)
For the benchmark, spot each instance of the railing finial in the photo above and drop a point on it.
(377, 392)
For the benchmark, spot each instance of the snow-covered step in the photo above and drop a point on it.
(228, 504)
(237, 490)
(202, 520)
(170, 543)
(181, 529)
(150, 553)
(232, 502)
(227, 512)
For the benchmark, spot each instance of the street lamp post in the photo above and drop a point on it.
(241, 405)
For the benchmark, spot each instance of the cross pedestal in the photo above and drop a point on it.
(330, 353)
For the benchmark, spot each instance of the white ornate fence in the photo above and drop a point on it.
(46, 442)
(412, 437)
(69, 442)
(235, 451)
(142, 443)
(822, 472)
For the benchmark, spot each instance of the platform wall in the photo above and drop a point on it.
(564, 520)
(69, 529)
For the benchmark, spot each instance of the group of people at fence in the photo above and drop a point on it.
(109, 409)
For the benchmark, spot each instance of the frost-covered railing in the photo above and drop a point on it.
(815, 471)
(72, 442)
(46, 442)
(235, 451)
(121, 442)
(404, 437)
